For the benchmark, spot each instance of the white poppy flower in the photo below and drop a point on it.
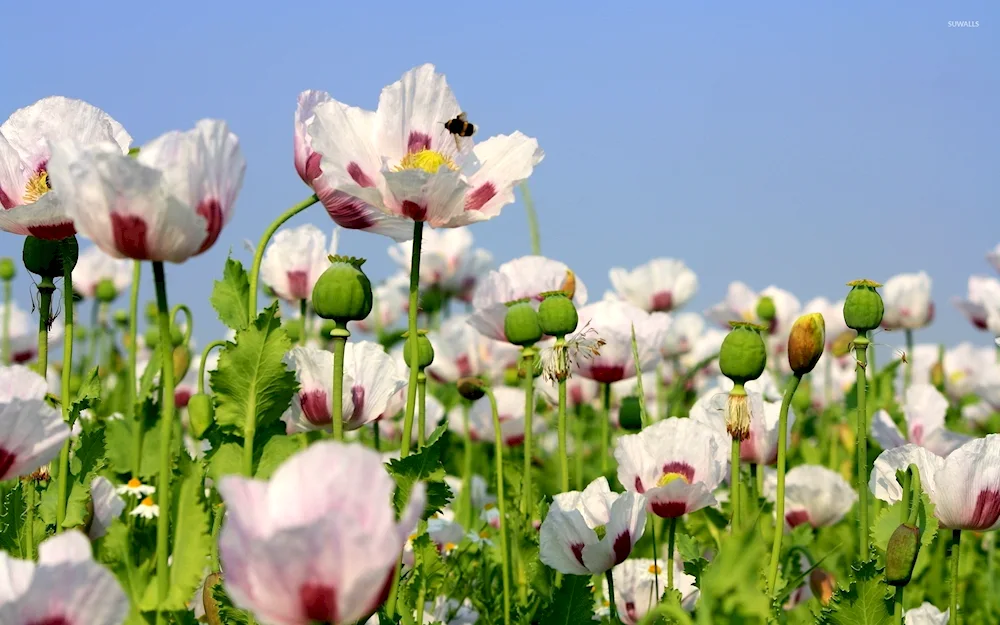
(24, 334)
(108, 506)
(662, 284)
(924, 409)
(681, 334)
(762, 446)
(926, 614)
(20, 382)
(612, 322)
(636, 581)
(907, 299)
(295, 259)
(813, 494)
(94, 267)
(31, 435)
(984, 296)
(389, 303)
(510, 410)
(447, 261)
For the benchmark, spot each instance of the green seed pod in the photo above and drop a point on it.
(106, 291)
(7, 269)
(863, 307)
(121, 319)
(425, 351)
(557, 314)
(432, 299)
(901, 555)
(806, 342)
(44, 258)
(630, 414)
(343, 293)
(766, 309)
(743, 355)
(201, 414)
(212, 616)
(471, 388)
(293, 328)
(521, 325)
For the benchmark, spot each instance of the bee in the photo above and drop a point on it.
(460, 127)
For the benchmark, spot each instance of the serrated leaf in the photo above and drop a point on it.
(226, 460)
(12, 520)
(425, 466)
(88, 457)
(891, 517)
(251, 377)
(276, 450)
(231, 296)
(687, 547)
(864, 602)
(87, 396)
(572, 604)
(228, 613)
(76, 504)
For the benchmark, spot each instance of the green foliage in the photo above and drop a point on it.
(231, 296)
(12, 515)
(87, 396)
(572, 604)
(252, 377)
(275, 451)
(891, 516)
(424, 466)
(119, 436)
(866, 601)
(225, 459)
(85, 463)
(732, 584)
(228, 613)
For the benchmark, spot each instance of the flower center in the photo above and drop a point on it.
(654, 569)
(37, 186)
(148, 501)
(484, 534)
(749, 315)
(670, 477)
(449, 547)
(601, 532)
(134, 483)
(957, 377)
(428, 160)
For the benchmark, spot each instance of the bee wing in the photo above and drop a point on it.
(461, 117)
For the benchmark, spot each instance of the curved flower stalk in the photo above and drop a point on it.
(924, 410)
(587, 533)
(94, 267)
(814, 495)
(525, 277)
(984, 295)
(510, 413)
(448, 262)
(29, 205)
(761, 448)
(31, 434)
(636, 581)
(65, 587)
(294, 260)
(662, 284)
(324, 525)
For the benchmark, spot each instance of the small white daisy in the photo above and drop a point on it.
(491, 515)
(482, 538)
(146, 509)
(136, 488)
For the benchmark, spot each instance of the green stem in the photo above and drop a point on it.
(611, 596)
(672, 532)
(529, 207)
(563, 453)
(340, 334)
(376, 435)
(874, 368)
(204, 359)
(605, 427)
(779, 500)
(897, 606)
(8, 305)
(29, 519)
(90, 355)
(220, 513)
(422, 405)
(905, 511)
(421, 598)
(578, 447)
(166, 430)
(467, 510)
(45, 289)
(651, 521)
(956, 550)
(734, 483)
(132, 411)
(661, 394)
(528, 361)
(258, 255)
(303, 311)
(861, 351)
(65, 400)
(411, 389)
(908, 371)
(501, 505)
(751, 503)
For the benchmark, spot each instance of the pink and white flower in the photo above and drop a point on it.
(28, 204)
(380, 170)
(389, 303)
(762, 446)
(65, 587)
(324, 526)
(833, 317)
(24, 333)
(636, 581)
(579, 391)
(94, 267)
(908, 304)
(681, 335)
(612, 321)
(984, 296)
(447, 261)
(568, 540)
(661, 285)
(740, 304)
(676, 463)
(964, 487)
(108, 506)
(169, 203)
(510, 410)
(813, 494)
(524, 277)
(924, 410)
(294, 260)
(461, 351)
(31, 434)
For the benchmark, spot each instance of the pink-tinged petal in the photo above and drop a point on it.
(129, 232)
(307, 161)
(505, 161)
(967, 490)
(293, 262)
(421, 196)
(31, 434)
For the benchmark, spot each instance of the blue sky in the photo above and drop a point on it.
(788, 143)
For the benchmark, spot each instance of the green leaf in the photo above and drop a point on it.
(572, 604)
(88, 457)
(425, 466)
(226, 460)
(149, 376)
(86, 397)
(228, 613)
(687, 547)
(231, 296)
(276, 450)
(12, 520)
(864, 602)
(76, 504)
(252, 377)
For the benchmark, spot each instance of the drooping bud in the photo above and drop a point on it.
(863, 308)
(766, 309)
(822, 584)
(182, 360)
(425, 351)
(901, 554)
(7, 269)
(521, 325)
(106, 291)
(557, 315)
(806, 342)
(45, 258)
(471, 388)
(743, 355)
(630, 414)
(343, 292)
(201, 414)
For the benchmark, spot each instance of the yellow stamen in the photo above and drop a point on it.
(749, 316)
(449, 546)
(484, 534)
(37, 186)
(488, 506)
(134, 483)
(413, 536)
(606, 603)
(427, 160)
(655, 569)
(148, 501)
(956, 377)
(670, 477)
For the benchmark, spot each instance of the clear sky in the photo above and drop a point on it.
(800, 144)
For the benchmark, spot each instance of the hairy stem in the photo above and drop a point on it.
(65, 399)
(605, 427)
(132, 411)
(166, 431)
(861, 352)
(422, 406)
(611, 596)
(528, 361)
(502, 506)
(670, 553)
(561, 424)
(779, 500)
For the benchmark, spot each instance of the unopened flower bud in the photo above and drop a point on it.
(630, 414)
(521, 325)
(425, 351)
(182, 360)
(937, 374)
(471, 388)
(557, 315)
(343, 292)
(822, 584)
(766, 309)
(212, 616)
(201, 414)
(569, 284)
(45, 258)
(106, 291)
(806, 342)
(901, 554)
(863, 308)
(843, 343)
(293, 328)
(743, 354)
(7, 269)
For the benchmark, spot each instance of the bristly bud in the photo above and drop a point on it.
(901, 555)
(743, 354)
(822, 584)
(806, 342)
(766, 309)
(343, 292)
(471, 388)
(738, 413)
(863, 308)
(557, 314)
(521, 325)
(425, 351)
(569, 284)
(45, 258)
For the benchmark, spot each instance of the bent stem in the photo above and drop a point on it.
(779, 500)
(204, 359)
(501, 505)
(411, 314)
(861, 352)
(339, 334)
(956, 550)
(258, 255)
(166, 430)
(133, 350)
(67, 374)
(528, 360)
(670, 554)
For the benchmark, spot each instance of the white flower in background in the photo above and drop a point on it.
(579, 391)
(587, 533)
(964, 487)
(612, 321)
(524, 277)
(480, 494)
(787, 309)
(681, 335)
(636, 581)
(833, 317)
(380, 171)
(924, 410)
(169, 203)
(449, 612)
(65, 587)
(740, 304)
(662, 284)
(392, 427)
(765, 385)
(988, 385)
(31, 435)
(813, 494)
(510, 410)
(108, 506)
(294, 260)
(20, 382)
(459, 351)
(926, 614)
(374, 380)
(94, 267)
(389, 303)
(147, 509)
(984, 296)
(761, 447)
(28, 204)
(24, 333)
(447, 261)
(136, 488)
(907, 299)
